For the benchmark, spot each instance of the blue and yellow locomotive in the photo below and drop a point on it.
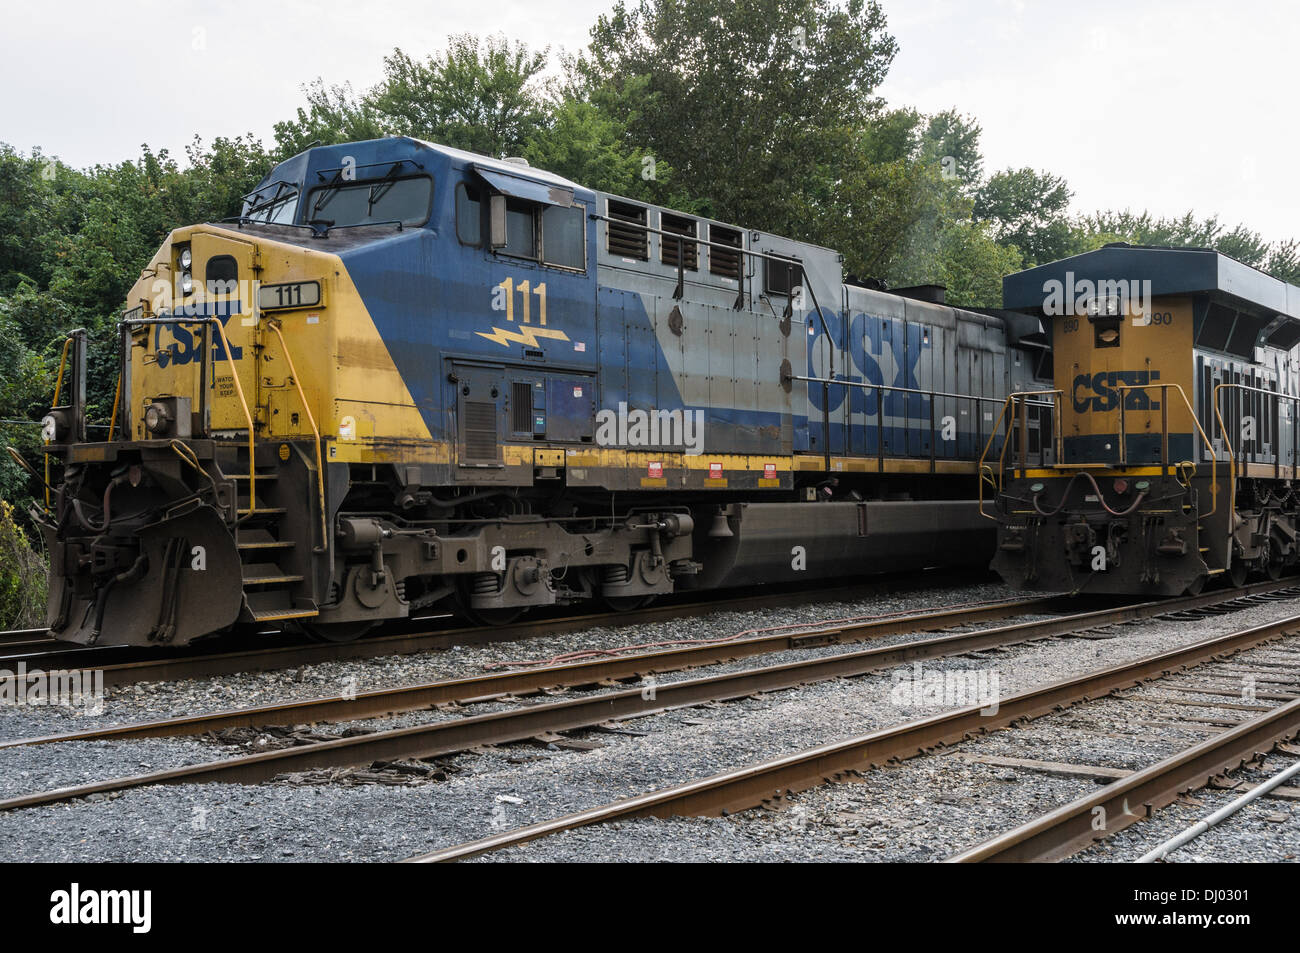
(1174, 421)
(410, 376)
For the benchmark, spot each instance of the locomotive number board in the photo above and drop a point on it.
(294, 294)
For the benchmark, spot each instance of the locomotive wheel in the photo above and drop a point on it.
(493, 617)
(337, 631)
(627, 603)
(484, 617)
(1274, 565)
(1238, 572)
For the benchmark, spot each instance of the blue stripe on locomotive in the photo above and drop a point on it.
(430, 297)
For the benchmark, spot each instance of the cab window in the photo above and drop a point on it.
(469, 214)
(372, 203)
(550, 234)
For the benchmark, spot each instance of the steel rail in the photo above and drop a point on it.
(1070, 828)
(532, 680)
(520, 724)
(605, 670)
(9, 636)
(180, 664)
(754, 785)
(1222, 814)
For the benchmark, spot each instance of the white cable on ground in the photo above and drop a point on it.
(1201, 827)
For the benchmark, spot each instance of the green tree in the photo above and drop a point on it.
(953, 142)
(1029, 210)
(752, 103)
(587, 138)
(23, 573)
(485, 96)
(333, 115)
(1280, 259)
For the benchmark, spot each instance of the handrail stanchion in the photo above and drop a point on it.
(58, 390)
(1214, 486)
(117, 402)
(311, 419)
(208, 322)
(239, 389)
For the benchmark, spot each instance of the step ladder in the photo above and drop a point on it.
(271, 591)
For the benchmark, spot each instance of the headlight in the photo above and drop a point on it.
(186, 259)
(156, 418)
(187, 283)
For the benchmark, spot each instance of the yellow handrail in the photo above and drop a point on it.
(1011, 400)
(117, 401)
(311, 419)
(239, 389)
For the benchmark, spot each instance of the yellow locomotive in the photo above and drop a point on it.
(1173, 426)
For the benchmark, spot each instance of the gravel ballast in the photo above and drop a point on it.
(502, 788)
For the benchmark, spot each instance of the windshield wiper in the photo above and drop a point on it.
(256, 204)
(381, 188)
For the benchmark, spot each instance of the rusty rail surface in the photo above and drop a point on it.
(407, 698)
(128, 665)
(754, 785)
(533, 680)
(1069, 828)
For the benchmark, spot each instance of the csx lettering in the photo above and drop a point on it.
(877, 347)
(187, 342)
(1097, 393)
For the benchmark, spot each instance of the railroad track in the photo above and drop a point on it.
(24, 637)
(529, 681)
(772, 781)
(453, 735)
(1133, 796)
(125, 665)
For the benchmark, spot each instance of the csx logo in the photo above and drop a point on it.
(187, 342)
(1096, 392)
(883, 351)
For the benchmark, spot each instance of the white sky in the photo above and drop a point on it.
(1165, 105)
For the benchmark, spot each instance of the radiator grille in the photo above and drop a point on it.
(668, 251)
(521, 407)
(723, 261)
(480, 431)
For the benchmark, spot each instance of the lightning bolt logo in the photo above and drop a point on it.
(525, 335)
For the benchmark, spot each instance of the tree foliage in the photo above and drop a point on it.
(1029, 210)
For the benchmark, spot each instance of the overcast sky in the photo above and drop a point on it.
(1165, 105)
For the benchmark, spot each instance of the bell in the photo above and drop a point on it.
(720, 529)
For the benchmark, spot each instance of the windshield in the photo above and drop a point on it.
(276, 206)
(368, 203)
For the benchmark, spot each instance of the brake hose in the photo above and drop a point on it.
(1100, 498)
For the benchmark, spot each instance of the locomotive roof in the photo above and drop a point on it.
(1226, 289)
(1171, 271)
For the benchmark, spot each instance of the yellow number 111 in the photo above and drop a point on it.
(508, 285)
